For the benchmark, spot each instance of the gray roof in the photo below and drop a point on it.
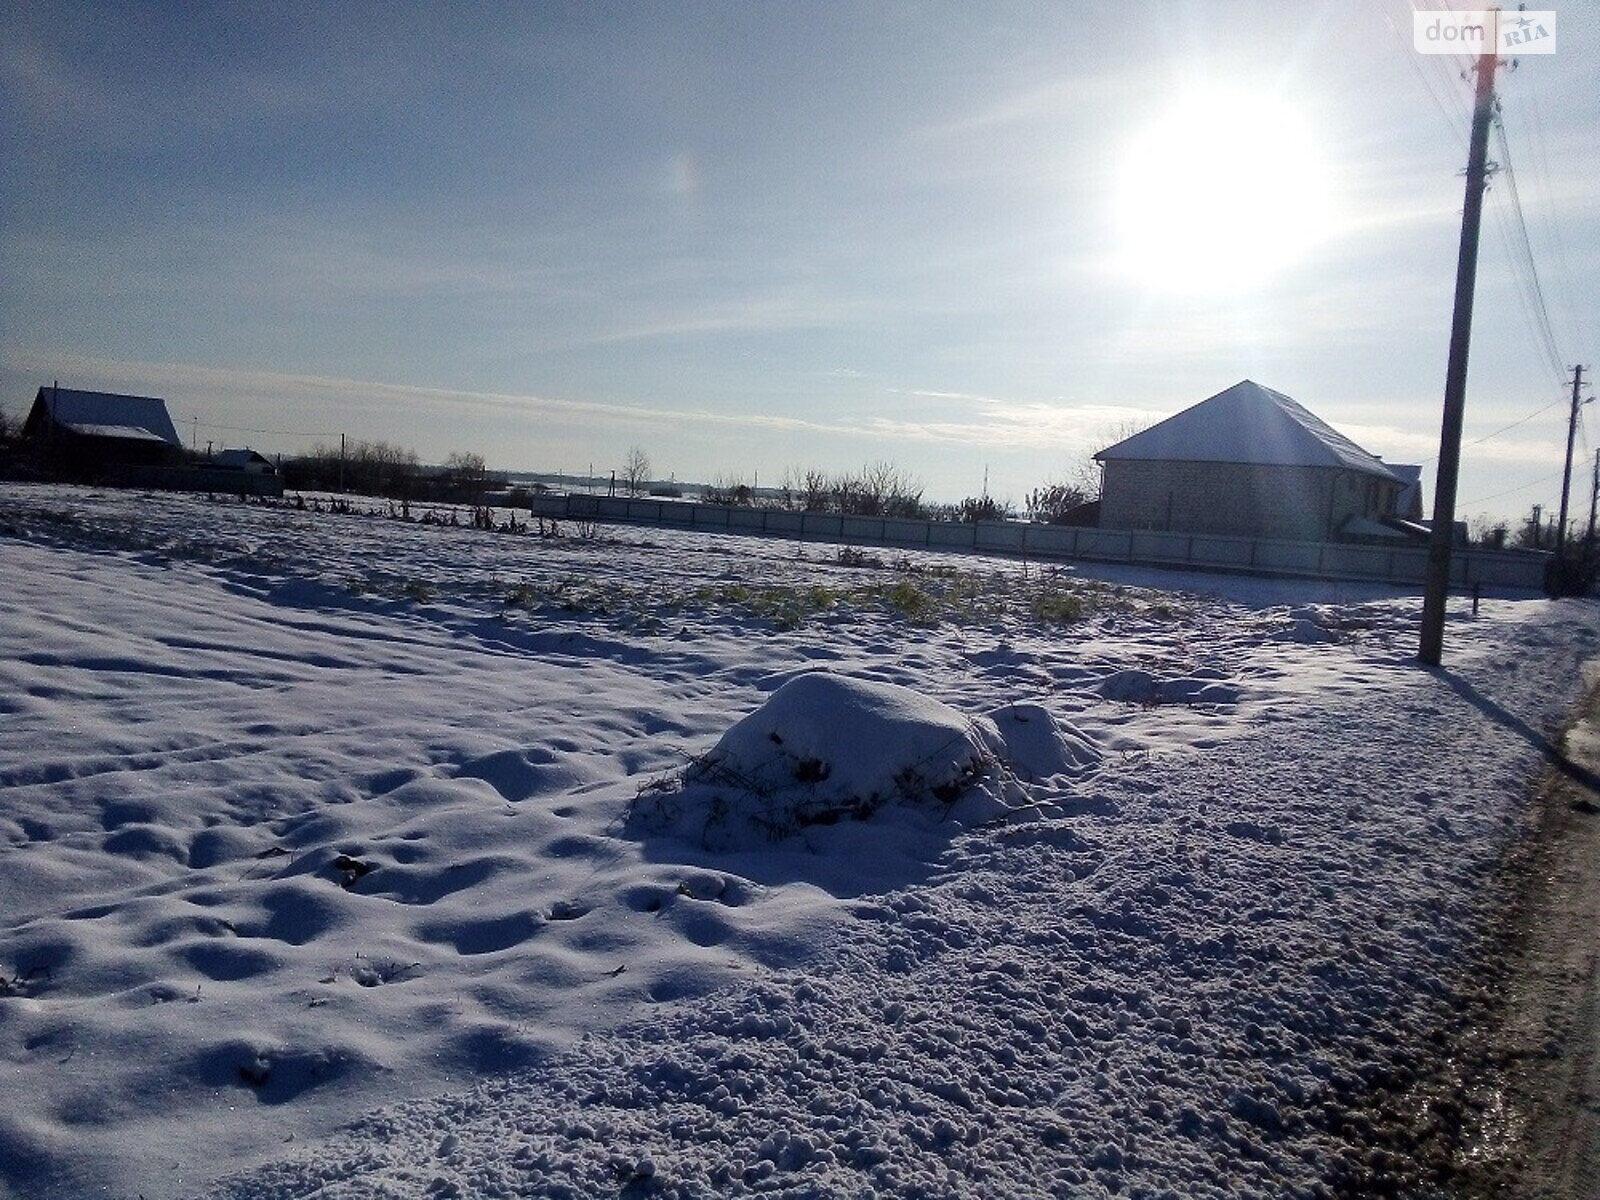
(240, 459)
(1250, 424)
(106, 414)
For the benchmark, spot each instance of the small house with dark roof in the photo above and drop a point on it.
(89, 435)
(251, 462)
(1248, 462)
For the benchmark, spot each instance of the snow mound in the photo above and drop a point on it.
(1040, 748)
(1134, 686)
(1305, 631)
(825, 748)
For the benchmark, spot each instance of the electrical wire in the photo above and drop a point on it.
(1511, 491)
(1514, 424)
(1445, 70)
(1515, 228)
(246, 429)
(1567, 300)
(1503, 429)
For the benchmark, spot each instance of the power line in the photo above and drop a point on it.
(1513, 491)
(1503, 429)
(1529, 116)
(1522, 261)
(1458, 118)
(1514, 424)
(247, 429)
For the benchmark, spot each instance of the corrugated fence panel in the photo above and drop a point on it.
(1404, 563)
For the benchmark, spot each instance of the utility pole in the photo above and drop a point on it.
(1455, 387)
(1566, 476)
(1594, 498)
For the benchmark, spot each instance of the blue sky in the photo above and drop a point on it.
(756, 236)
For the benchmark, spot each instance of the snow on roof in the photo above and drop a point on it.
(1247, 423)
(127, 433)
(1358, 526)
(107, 414)
(239, 458)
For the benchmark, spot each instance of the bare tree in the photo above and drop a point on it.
(373, 468)
(814, 491)
(389, 469)
(888, 491)
(635, 470)
(728, 489)
(880, 489)
(467, 467)
(1083, 478)
(466, 477)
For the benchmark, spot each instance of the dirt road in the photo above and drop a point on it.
(1536, 1094)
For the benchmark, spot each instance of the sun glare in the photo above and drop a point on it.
(1221, 193)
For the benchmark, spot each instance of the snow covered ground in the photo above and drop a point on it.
(396, 858)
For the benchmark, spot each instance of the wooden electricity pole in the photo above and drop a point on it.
(1566, 476)
(1455, 386)
(1594, 499)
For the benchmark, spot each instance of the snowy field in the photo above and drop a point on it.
(352, 857)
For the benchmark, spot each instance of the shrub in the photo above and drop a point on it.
(1056, 608)
(983, 508)
(912, 603)
(1055, 501)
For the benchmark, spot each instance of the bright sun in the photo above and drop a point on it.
(1221, 193)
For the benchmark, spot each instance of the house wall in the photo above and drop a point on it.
(74, 456)
(1238, 499)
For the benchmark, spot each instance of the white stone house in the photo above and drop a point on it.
(1248, 462)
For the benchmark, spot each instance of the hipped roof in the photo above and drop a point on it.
(239, 458)
(107, 414)
(1247, 424)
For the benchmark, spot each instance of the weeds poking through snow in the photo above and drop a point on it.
(21, 983)
(1051, 607)
(371, 973)
(348, 870)
(851, 556)
(522, 596)
(912, 603)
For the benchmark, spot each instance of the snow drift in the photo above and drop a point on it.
(826, 748)
(1230, 924)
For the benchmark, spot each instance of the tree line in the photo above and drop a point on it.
(881, 489)
(378, 468)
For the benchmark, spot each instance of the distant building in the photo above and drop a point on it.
(250, 462)
(1249, 462)
(90, 435)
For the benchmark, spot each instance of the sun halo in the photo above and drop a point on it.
(1221, 193)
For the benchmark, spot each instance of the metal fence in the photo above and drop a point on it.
(1402, 563)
